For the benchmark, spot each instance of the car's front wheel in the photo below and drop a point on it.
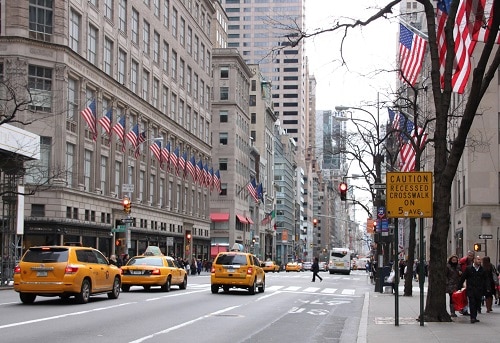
(84, 295)
(27, 298)
(115, 292)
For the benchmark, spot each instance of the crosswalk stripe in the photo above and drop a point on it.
(273, 288)
(292, 288)
(311, 289)
(348, 291)
(329, 290)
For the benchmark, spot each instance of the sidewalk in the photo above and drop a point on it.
(378, 322)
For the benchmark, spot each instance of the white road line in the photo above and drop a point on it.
(348, 291)
(273, 288)
(292, 288)
(329, 290)
(311, 289)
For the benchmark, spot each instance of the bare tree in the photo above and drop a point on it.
(446, 159)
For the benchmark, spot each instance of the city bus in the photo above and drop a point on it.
(339, 261)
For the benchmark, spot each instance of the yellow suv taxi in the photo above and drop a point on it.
(237, 269)
(65, 271)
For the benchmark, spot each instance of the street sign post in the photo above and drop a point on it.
(127, 220)
(379, 186)
(119, 228)
(409, 195)
(128, 188)
(485, 236)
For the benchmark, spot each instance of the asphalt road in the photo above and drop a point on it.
(292, 309)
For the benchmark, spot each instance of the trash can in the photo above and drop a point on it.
(382, 274)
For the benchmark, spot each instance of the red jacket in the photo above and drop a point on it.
(463, 263)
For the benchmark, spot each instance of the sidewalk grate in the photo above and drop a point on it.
(392, 320)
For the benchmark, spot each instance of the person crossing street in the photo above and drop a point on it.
(315, 270)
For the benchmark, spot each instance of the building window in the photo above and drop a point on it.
(223, 189)
(72, 104)
(165, 57)
(156, 47)
(253, 118)
(135, 26)
(70, 162)
(224, 93)
(182, 32)
(196, 48)
(173, 106)
(92, 45)
(156, 4)
(108, 56)
(104, 175)
(145, 85)
(174, 65)
(164, 103)
(122, 16)
(166, 13)
(223, 116)
(223, 163)
(181, 72)
(37, 171)
(156, 90)
(87, 167)
(253, 134)
(223, 138)
(108, 9)
(145, 38)
(224, 72)
(37, 210)
(188, 80)
(253, 100)
(122, 66)
(40, 88)
(134, 76)
(174, 22)
(118, 178)
(189, 41)
(74, 31)
(181, 113)
(41, 19)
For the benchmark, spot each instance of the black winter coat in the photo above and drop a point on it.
(476, 281)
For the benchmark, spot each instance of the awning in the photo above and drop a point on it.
(242, 219)
(249, 220)
(219, 217)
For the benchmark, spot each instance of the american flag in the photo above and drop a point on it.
(141, 139)
(165, 155)
(133, 135)
(217, 181)
(252, 189)
(260, 192)
(106, 120)
(119, 129)
(206, 175)
(211, 172)
(199, 172)
(90, 117)
(464, 46)
(411, 54)
(174, 160)
(182, 164)
(191, 167)
(482, 12)
(156, 149)
(407, 154)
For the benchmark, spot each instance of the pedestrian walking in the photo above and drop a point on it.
(315, 270)
(476, 287)
(453, 273)
(491, 276)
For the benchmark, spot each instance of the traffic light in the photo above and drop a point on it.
(118, 242)
(477, 247)
(127, 206)
(343, 191)
(315, 222)
(188, 236)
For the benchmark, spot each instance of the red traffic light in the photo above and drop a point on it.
(315, 222)
(343, 191)
(127, 205)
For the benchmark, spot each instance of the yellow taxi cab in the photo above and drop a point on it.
(270, 266)
(237, 269)
(65, 271)
(293, 267)
(153, 269)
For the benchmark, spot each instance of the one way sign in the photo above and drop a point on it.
(485, 236)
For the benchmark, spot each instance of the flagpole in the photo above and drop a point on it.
(417, 31)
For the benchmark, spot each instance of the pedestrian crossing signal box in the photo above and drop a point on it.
(477, 247)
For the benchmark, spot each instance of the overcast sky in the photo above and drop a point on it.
(366, 51)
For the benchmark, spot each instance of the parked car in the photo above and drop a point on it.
(323, 267)
(65, 271)
(237, 269)
(153, 269)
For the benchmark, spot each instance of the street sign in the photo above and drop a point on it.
(409, 195)
(170, 241)
(485, 236)
(119, 228)
(381, 212)
(378, 186)
(128, 188)
(127, 220)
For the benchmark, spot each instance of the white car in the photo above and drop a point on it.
(307, 265)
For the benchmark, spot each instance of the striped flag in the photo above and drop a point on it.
(141, 139)
(260, 192)
(217, 181)
(199, 172)
(106, 121)
(411, 54)
(191, 167)
(119, 129)
(165, 155)
(464, 46)
(206, 175)
(181, 162)
(89, 114)
(252, 189)
(211, 185)
(407, 152)
(133, 135)
(482, 13)
(174, 160)
(156, 149)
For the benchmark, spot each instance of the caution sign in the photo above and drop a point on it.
(409, 195)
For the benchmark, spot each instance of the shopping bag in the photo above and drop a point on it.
(459, 299)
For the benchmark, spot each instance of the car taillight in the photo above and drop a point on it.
(17, 270)
(250, 271)
(212, 270)
(70, 269)
(156, 272)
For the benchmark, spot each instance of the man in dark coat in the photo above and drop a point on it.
(476, 286)
(315, 270)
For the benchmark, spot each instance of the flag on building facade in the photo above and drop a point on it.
(206, 175)
(156, 149)
(141, 139)
(480, 14)
(181, 162)
(89, 114)
(106, 121)
(174, 160)
(409, 139)
(211, 185)
(260, 192)
(268, 217)
(199, 172)
(165, 156)
(119, 129)
(411, 54)
(191, 167)
(464, 46)
(217, 182)
(133, 135)
(252, 189)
